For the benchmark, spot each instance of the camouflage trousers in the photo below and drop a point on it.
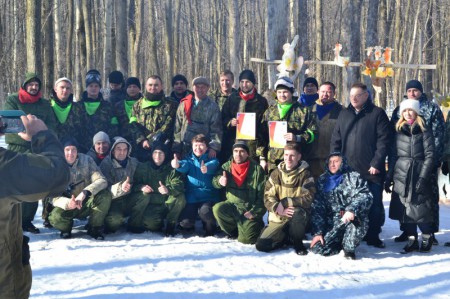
(345, 236)
(234, 223)
(95, 207)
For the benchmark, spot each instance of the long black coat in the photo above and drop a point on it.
(413, 158)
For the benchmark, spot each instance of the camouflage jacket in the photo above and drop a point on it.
(300, 121)
(249, 196)
(434, 119)
(84, 175)
(206, 120)
(352, 195)
(147, 121)
(122, 112)
(219, 98)
(41, 109)
(293, 188)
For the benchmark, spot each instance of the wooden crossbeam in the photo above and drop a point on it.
(354, 64)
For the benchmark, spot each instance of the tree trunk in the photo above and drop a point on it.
(70, 43)
(80, 50)
(135, 24)
(153, 43)
(234, 38)
(168, 39)
(319, 37)
(48, 51)
(33, 26)
(107, 40)
(121, 36)
(86, 11)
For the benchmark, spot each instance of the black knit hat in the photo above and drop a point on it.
(93, 76)
(179, 77)
(70, 141)
(115, 77)
(133, 81)
(158, 145)
(311, 80)
(247, 75)
(414, 84)
(242, 144)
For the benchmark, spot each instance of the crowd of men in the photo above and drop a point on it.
(150, 162)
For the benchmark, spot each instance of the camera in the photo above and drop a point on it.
(10, 121)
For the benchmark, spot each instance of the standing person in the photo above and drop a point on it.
(340, 210)
(117, 92)
(434, 120)
(326, 110)
(197, 114)
(362, 133)
(99, 113)
(159, 190)
(200, 169)
(119, 169)
(446, 158)
(309, 94)
(152, 117)
(240, 215)
(29, 99)
(301, 125)
(45, 172)
(179, 86)
(226, 79)
(410, 169)
(101, 147)
(288, 195)
(86, 195)
(247, 99)
(123, 110)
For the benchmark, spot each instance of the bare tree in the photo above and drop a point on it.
(121, 36)
(33, 25)
(234, 38)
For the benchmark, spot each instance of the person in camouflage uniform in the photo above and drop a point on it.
(240, 215)
(30, 101)
(340, 210)
(197, 115)
(301, 124)
(179, 86)
(161, 190)
(152, 117)
(119, 168)
(247, 99)
(123, 110)
(85, 196)
(98, 113)
(288, 195)
(226, 89)
(434, 119)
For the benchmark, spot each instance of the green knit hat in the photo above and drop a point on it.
(30, 77)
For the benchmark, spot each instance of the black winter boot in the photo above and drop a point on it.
(402, 238)
(412, 245)
(427, 243)
(96, 233)
(170, 230)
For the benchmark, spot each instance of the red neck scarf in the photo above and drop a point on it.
(188, 102)
(239, 172)
(249, 96)
(26, 98)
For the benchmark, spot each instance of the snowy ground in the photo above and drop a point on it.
(152, 266)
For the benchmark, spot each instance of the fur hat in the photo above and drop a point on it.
(410, 104)
(248, 75)
(93, 76)
(101, 137)
(133, 81)
(414, 84)
(179, 77)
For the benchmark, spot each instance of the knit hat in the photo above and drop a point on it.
(61, 80)
(162, 147)
(311, 80)
(31, 77)
(133, 81)
(115, 77)
(284, 83)
(247, 75)
(179, 77)
(410, 104)
(241, 144)
(101, 137)
(93, 76)
(414, 84)
(200, 80)
(70, 141)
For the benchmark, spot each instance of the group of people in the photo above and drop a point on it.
(159, 163)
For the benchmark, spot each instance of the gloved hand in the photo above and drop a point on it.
(444, 168)
(387, 186)
(420, 186)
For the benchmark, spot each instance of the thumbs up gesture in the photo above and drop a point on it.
(175, 163)
(223, 179)
(203, 167)
(126, 185)
(162, 189)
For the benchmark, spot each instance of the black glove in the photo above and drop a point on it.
(444, 168)
(420, 186)
(387, 186)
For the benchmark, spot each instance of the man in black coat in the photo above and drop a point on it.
(362, 134)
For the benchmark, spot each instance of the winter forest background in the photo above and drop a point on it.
(203, 37)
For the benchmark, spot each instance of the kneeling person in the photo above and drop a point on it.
(119, 168)
(340, 211)
(85, 196)
(288, 195)
(240, 216)
(161, 189)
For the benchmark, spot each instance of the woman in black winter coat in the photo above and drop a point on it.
(410, 166)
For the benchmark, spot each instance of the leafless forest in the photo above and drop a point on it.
(202, 37)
